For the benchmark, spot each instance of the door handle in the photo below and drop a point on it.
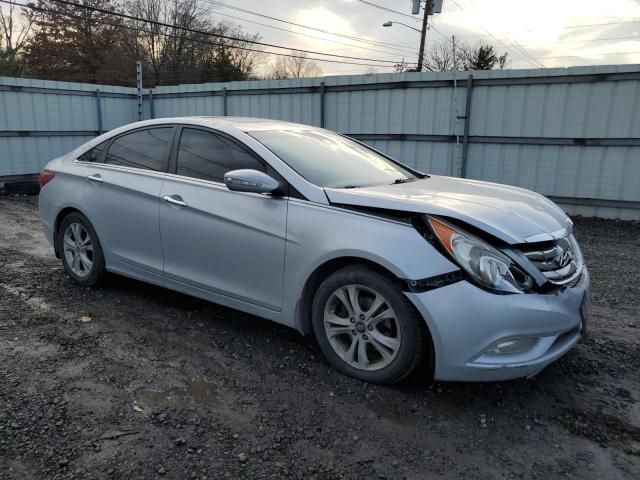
(175, 201)
(95, 178)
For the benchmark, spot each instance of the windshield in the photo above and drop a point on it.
(327, 159)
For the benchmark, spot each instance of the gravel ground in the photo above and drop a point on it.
(133, 381)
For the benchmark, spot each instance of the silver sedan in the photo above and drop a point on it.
(387, 266)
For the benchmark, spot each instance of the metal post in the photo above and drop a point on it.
(423, 33)
(139, 84)
(152, 111)
(467, 122)
(224, 101)
(454, 108)
(322, 94)
(99, 112)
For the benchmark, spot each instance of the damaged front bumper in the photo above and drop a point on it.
(469, 326)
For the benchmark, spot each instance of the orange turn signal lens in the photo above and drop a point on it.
(444, 232)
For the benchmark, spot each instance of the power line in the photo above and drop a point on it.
(211, 34)
(251, 12)
(317, 37)
(634, 37)
(196, 40)
(380, 7)
(521, 51)
(601, 24)
(403, 50)
(431, 27)
(594, 55)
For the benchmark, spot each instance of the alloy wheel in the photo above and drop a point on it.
(78, 249)
(362, 327)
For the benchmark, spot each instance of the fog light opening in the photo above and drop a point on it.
(512, 346)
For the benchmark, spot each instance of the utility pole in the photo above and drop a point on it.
(423, 34)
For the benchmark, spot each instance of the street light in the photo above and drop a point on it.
(430, 7)
(389, 23)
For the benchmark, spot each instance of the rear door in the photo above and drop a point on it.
(122, 189)
(228, 243)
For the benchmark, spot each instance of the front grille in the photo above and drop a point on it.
(559, 261)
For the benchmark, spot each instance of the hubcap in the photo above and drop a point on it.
(78, 249)
(373, 341)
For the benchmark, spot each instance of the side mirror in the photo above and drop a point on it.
(248, 180)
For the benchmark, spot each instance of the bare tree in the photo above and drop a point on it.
(166, 47)
(77, 42)
(15, 28)
(440, 57)
(297, 66)
(180, 43)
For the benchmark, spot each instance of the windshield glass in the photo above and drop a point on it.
(327, 159)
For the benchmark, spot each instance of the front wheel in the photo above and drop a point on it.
(366, 327)
(80, 250)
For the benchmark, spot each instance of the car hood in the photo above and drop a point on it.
(511, 214)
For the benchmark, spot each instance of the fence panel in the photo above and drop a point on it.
(572, 134)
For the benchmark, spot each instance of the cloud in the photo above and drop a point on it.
(544, 30)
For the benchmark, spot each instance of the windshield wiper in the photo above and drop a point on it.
(402, 180)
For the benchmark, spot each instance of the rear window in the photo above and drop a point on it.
(93, 155)
(146, 149)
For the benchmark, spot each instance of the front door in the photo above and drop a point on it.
(229, 243)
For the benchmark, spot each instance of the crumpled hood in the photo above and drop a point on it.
(512, 214)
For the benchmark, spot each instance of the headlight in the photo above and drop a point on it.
(486, 265)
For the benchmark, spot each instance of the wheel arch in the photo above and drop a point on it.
(324, 270)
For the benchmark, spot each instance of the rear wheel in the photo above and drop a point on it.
(80, 250)
(366, 327)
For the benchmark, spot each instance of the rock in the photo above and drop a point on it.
(63, 462)
(162, 471)
(243, 457)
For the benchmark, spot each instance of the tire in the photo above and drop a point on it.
(89, 268)
(394, 338)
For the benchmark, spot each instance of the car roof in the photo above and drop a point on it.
(244, 124)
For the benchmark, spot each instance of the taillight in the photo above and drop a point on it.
(45, 177)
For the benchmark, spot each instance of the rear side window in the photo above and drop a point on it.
(208, 156)
(146, 149)
(93, 155)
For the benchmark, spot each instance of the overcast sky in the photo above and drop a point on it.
(553, 33)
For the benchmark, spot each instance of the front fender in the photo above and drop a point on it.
(317, 234)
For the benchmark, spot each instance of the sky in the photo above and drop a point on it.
(549, 33)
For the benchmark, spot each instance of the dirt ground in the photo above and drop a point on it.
(133, 381)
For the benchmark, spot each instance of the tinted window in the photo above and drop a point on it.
(142, 149)
(208, 156)
(93, 155)
(327, 159)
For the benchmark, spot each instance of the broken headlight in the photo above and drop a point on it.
(486, 265)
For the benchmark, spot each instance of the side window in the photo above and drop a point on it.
(145, 149)
(94, 154)
(209, 156)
